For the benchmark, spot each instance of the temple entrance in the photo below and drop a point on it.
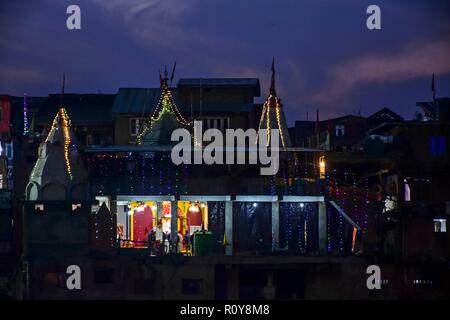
(144, 223)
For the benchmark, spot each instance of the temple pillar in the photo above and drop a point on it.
(275, 226)
(229, 227)
(322, 232)
(173, 224)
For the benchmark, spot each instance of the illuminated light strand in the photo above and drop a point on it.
(261, 120)
(267, 107)
(268, 125)
(166, 104)
(278, 116)
(25, 114)
(62, 114)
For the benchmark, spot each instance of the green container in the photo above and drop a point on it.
(203, 243)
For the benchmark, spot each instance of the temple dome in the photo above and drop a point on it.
(59, 172)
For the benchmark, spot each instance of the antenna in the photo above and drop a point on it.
(173, 72)
(272, 81)
(433, 88)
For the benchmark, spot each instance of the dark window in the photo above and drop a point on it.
(136, 126)
(104, 275)
(192, 286)
(89, 139)
(437, 146)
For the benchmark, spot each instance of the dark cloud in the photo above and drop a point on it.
(326, 58)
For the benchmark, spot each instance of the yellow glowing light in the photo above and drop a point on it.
(65, 125)
(166, 104)
(272, 102)
(322, 167)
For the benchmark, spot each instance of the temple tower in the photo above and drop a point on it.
(165, 119)
(59, 173)
(272, 116)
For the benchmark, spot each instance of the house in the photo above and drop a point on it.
(416, 186)
(90, 115)
(345, 133)
(220, 103)
(436, 110)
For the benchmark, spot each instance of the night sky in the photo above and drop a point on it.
(326, 58)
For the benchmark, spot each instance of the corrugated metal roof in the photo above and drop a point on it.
(216, 107)
(235, 82)
(219, 82)
(132, 100)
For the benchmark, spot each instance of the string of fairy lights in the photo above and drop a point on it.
(272, 103)
(62, 121)
(155, 176)
(166, 105)
(25, 114)
(137, 173)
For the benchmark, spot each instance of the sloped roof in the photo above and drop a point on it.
(233, 82)
(132, 101)
(384, 115)
(216, 107)
(83, 108)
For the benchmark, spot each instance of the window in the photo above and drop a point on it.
(192, 286)
(340, 130)
(89, 139)
(136, 126)
(437, 146)
(440, 225)
(217, 123)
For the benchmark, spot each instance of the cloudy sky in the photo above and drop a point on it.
(326, 58)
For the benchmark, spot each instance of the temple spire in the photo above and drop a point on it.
(63, 86)
(272, 115)
(272, 89)
(164, 84)
(166, 116)
(173, 73)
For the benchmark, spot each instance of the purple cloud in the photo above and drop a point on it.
(414, 60)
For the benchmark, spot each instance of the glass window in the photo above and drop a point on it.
(440, 225)
(136, 125)
(340, 130)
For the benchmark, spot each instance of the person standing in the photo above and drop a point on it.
(187, 242)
